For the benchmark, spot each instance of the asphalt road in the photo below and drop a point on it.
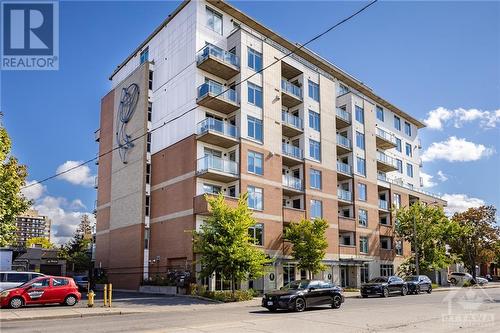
(466, 311)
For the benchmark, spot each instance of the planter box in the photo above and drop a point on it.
(164, 290)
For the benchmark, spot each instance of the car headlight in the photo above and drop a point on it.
(4, 293)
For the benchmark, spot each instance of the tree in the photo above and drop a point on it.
(428, 229)
(42, 241)
(224, 243)
(12, 202)
(76, 250)
(477, 238)
(309, 243)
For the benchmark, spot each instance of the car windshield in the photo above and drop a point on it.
(27, 283)
(411, 278)
(378, 280)
(295, 285)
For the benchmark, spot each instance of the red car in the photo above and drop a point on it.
(42, 290)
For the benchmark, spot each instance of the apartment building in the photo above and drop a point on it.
(303, 138)
(31, 225)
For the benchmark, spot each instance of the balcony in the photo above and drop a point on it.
(217, 132)
(216, 168)
(347, 250)
(343, 118)
(387, 254)
(291, 95)
(293, 214)
(344, 170)
(291, 125)
(383, 204)
(96, 182)
(347, 224)
(218, 62)
(215, 96)
(386, 230)
(200, 204)
(385, 140)
(385, 163)
(344, 195)
(292, 155)
(291, 185)
(344, 145)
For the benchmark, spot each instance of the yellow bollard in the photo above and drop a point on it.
(105, 295)
(90, 302)
(110, 293)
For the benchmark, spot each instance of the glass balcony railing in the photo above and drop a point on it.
(291, 120)
(383, 204)
(291, 88)
(344, 195)
(386, 135)
(344, 168)
(343, 141)
(344, 115)
(381, 157)
(219, 126)
(292, 182)
(214, 163)
(216, 52)
(381, 176)
(292, 151)
(218, 90)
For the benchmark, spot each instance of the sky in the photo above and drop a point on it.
(438, 61)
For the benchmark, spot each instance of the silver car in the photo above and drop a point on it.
(458, 278)
(13, 279)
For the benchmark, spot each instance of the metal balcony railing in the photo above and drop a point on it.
(291, 88)
(343, 114)
(214, 51)
(344, 195)
(292, 151)
(292, 182)
(212, 163)
(216, 89)
(219, 126)
(383, 204)
(386, 159)
(386, 135)
(343, 141)
(344, 168)
(291, 120)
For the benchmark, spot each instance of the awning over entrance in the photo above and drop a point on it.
(353, 261)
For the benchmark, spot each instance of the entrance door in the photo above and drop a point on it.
(344, 276)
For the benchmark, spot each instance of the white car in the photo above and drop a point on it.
(460, 278)
(13, 279)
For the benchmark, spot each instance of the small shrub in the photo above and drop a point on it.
(222, 295)
(351, 289)
(435, 286)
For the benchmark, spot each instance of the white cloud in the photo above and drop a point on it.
(442, 176)
(460, 202)
(77, 204)
(79, 176)
(438, 118)
(456, 150)
(33, 190)
(427, 180)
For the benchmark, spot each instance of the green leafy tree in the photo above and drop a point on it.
(76, 251)
(224, 243)
(433, 231)
(41, 241)
(12, 202)
(476, 241)
(309, 244)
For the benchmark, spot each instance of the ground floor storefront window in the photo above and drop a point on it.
(386, 270)
(365, 273)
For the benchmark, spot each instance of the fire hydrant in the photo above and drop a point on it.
(90, 302)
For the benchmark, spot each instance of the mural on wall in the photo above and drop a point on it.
(126, 109)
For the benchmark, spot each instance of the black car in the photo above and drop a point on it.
(418, 283)
(301, 294)
(81, 282)
(384, 286)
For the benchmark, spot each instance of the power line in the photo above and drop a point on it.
(297, 48)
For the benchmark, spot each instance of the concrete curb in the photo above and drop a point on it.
(68, 316)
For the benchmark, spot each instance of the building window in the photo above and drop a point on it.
(397, 123)
(314, 121)
(407, 128)
(254, 60)
(365, 273)
(398, 145)
(361, 166)
(398, 245)
(363, 244)
(408, 150)
(315, 176)
(147, 205)
(148, 173)
(386, 270)
(231, 191)
(212, 189)
(396, 200)
(255, 162)
(150, 80)
(254, 95)
(150, 111)
(316, 209)
(214, 20)
(380, 113)
(313, 89)
(399, 164)
(385, 243)
(363, 217)
(384, 220)
(362, 191)
(255, 128)
(145, 55)
(148, 142)
(409, 170)
(315, 150)
(342, 89)
(360, 140)
(255, 198)
(288, 273)
(360, 114)
(256, 232)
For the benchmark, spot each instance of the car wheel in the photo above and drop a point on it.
(70, 300)
(385, 292)
(336, 302)
(404, 291)
(429, 290)
(417, 290)
(300, 304)
(16, 302)
(453, 281)
(364, 296)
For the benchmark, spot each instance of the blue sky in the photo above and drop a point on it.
(439, 61)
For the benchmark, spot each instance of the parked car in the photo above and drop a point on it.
(12, 279)
(301, 294)
(418, 283)
(384, 286)
(81, 282)
(42, 290)
(458, 278)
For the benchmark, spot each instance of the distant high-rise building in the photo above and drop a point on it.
(31, 225)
